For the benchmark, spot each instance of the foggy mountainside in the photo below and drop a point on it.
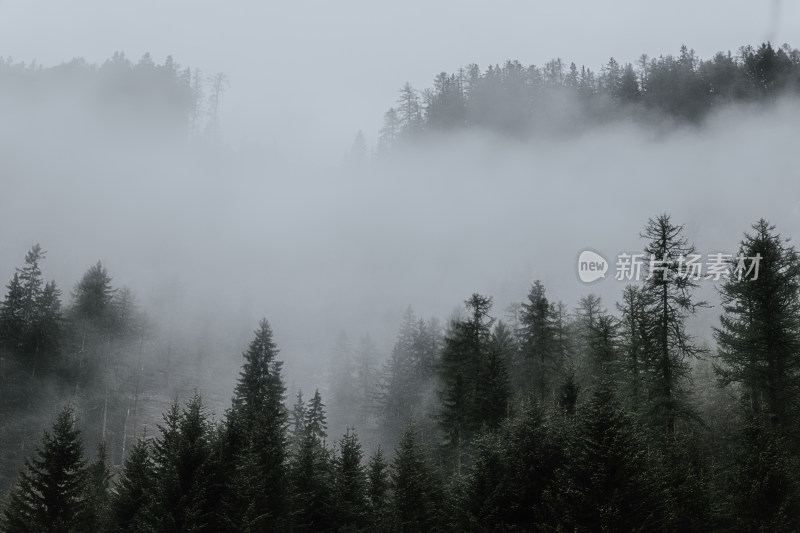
(203, 335)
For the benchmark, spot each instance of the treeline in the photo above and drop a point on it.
(548, 420)
(168, 96)
(518, 100)
(98, 349)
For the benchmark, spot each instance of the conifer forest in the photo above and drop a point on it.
(519, 297)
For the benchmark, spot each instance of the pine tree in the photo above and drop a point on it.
(316, 421)
(30, 314)
(492, 388)
(298, 421)
(182, 457)
(759, 333)
(414, 496)
(669, 296)
(636, 336)
(763, 494)
(51, 496)
(607, 485)
(12, 316)
(132, 498)
(350, 485)
(464, 355)
(538, 341)
(93, 294)
(256, 434)
(378, 491)
(312, 485)
(99, 476)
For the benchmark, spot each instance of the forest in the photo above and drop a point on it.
(542, 415)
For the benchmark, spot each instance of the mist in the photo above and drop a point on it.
(226, 236)
(221, 205)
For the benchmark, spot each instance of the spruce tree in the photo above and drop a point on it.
(539, 341)
(759, 333)
(256, 434)
(468, 378)
(312, 487)
(414, 496)
(182, 457)
(378, 491)
(132, 502)
(668, 290)
(51, 494)
(350, 485)
(606, 484)
(316, 422)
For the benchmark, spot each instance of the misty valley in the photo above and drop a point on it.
(199, 334)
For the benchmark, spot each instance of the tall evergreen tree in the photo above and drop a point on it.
(182, 456)
(132, 498)
(607, 484)
(414, 496)
(350, 485)
(93, 294)
(465, 354)
(759, 333)
(538, 341)
(256, 430)
(378, 491)
(669, 288)
(316, 421)
(51, 494)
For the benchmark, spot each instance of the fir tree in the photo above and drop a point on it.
(51, 494)
(669, 296)
(414, 495)
(378, 491)
(759, 333)
(132, 498)
(350, 485)
(316, 421)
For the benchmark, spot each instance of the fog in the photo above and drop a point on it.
(210, 238)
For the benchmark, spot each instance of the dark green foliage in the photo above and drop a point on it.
(636, 338)
(30, 314)
(182, 457)
(471, 376)
(606, 483)
(759, 334)
(255, 439)
(407, 374)
(51, 495)
(668, 289)
(415, 495)
(538, 325)
(312, 487)
(98, 476)
(568, 398)
(93, 294)
(298, 422)
(132, 501)
(378, 491)
(516, 100)
(316, 420)
(513, 471)
(763, 493)
(350, 485)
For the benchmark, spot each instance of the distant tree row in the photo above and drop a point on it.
(558, 97)
(166, 95)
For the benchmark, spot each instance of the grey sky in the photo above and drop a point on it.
(313, 72)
